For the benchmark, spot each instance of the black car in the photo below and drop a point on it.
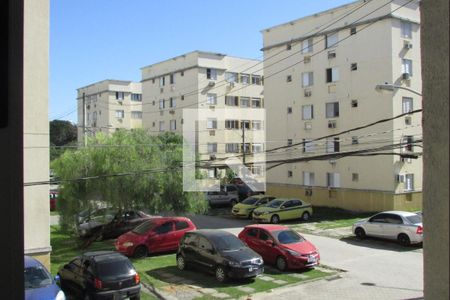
(219, 252)
(244, 191)
(100, 275)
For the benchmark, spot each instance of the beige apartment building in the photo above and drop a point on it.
(210, 81)
(320, 77)
(108, 105)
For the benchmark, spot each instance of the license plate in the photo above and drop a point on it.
(250, 269)
(311, 259)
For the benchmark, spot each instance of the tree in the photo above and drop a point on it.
(62, 133)
(128, 169)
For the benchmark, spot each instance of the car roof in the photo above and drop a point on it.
(268, 227)
(399, 212)
(160, 219)
(210, 233)
(102, 255)
(259, 196)
(31, 262)
(286, 199)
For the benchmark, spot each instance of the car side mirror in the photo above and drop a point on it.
(283, 207)
(270, 243)
(57, 279)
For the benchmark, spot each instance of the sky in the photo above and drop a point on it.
(93, 40)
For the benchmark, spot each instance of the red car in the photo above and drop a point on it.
(156, 235)
(53, 196)
(281, 246)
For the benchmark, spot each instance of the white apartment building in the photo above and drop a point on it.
(211, 81)
(108, 105)
(320, 76)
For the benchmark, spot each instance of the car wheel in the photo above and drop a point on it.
(181, 263)
(275, 219)
(403, 239)
(233, 202)
(360, 233)
(281, 263)
(221, 275)
(305, 216)
(140, 252)
(137, 297)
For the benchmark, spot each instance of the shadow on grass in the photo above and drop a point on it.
(382, 244)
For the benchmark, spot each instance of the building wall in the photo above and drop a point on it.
(36, 130)
(377, 49)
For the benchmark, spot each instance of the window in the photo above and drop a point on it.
(308, 146)
(332, 75)
(307, 112)
(406, 29)
(232, 100)
(258, 170)
(331, 40)
(231, 124)
(355, 140)
(289, 110)
(94, 116)
(245, 102)
(212, 148)
(264, 235)
(409, 182)
(407, 66)
(231, 77)
(172, 78)
(307, 46)
(182, 97)
(180, 225)
(120, 114)
(353, 67)
(232, 147)
(333, 180)
(289, 78)
(308, 178)
(211, 99)
(173, 125)
(164, 228)
(252, 232)
(211, 173)
(257, 148)
(333, 145)
(352, 30)
(211, 123)
(161, 126)
(162, 81)
(245, 148)
(407, 142)
(136, 97)
(307, 79)
(136, 114)
(289, 142)
(355, 177)
(161, 104)
(354, 103)
(245, 79)
(407, 105)
(332, 109)
(120, 95)
(289, 173)
(256, 79)
(182, 73)
(256, 125)
(245, 124)
(256, 102)
(172, 102)
(211, 74)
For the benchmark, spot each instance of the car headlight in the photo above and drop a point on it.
(292, 252)
(127, 244)
(60, 296)
(234, 264)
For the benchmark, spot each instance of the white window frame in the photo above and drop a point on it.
(256, 125)
(162, 81)
(307, 112)
(256, 79)
(244, 78)
(136, 114)
(308, 146)
(307, 45)
(172, 102)
(211, 74)
(331, 40)
(406, 29)
(333, 180)
(234, 100)
(307, 79)
(162, 104)
(245, 100)
(211, 98)
(231, 77)
(119, 96)
(308, 178)
(212, 148)
(334, 74)
(407, 104)
(211, 123)
(120, 114)
(409, 182)
(161, 126)
(257, 148)
(232, 147)
(256, 102)
(333, 145)
(331, 111)
(407, 65)
(173, 125)
(231, 124)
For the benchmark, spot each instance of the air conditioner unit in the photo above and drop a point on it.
(172, 88)
(400, 178)
(406, 76)
(307, 59)
(331, 124)
(161, 90)
(408, 120)
(308, 93)
(161, 113)
(332, 161)
(331, 55)
(212, 132)
(407, 45)
(211, 83)
(212, 157)
(308, 192)
(308, 125)
(172, 111)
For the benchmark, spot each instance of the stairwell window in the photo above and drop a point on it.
(409, 182)
(406, 29)
(307, 45)
(407, 105)
(407, 66)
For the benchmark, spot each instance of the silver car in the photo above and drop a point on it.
(228, 195)
(405, 227)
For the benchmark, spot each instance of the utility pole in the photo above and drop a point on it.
(84, 120)
(243, 149)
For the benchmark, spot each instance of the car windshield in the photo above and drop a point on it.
(113, 269)
(414, 219)
(36, 277)
(250, 201)
(275, 203)
(287, 237)
(144, 227)
(227, 243)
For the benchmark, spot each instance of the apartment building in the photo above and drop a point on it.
(225, 87)
(320, 77)
(108, 105)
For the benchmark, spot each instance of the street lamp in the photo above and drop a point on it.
(390, 87)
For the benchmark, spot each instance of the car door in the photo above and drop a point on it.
(189, 247)
(266, 244)
(161, 240)
(374, 225)
(250, 237)
(392, 226)
(286, 212)
(181, 227)
(70, 274)
(205, 253)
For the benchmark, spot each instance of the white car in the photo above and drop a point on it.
(405, 227)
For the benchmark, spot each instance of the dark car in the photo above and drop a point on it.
(110, 225)
(218, 252)
(244, 191)
(100, 275)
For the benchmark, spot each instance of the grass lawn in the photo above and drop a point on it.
(160, 271)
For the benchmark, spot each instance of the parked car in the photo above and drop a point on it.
(152, 236)
(111, 226)
(38, 283)
(53, 194)
(100, 275)
(244, 191)
(219, 252)
(228, 195)
(405, 227)
(281, 246)
(283, 209)
(246, 207)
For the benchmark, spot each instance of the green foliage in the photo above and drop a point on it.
(131, 169)
(62, 133)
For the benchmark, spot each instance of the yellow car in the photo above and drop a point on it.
(246, 207)
(283, 209)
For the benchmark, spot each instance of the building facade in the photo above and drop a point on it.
(221, 84)
(108, 105)
(320, 77)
